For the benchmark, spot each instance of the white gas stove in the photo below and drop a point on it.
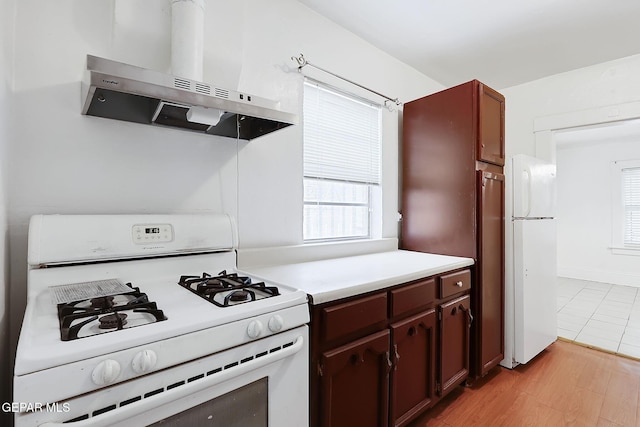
(183, 338)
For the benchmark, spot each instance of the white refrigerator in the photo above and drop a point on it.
(530, 294)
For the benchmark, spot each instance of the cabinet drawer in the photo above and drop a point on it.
(343, 319)
(454, 283)
(413, 296)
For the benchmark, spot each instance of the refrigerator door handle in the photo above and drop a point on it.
(526, 192)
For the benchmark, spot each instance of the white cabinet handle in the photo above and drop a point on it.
(459, 283)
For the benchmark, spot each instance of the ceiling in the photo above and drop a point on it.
(503, 43)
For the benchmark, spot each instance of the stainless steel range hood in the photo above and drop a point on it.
(125, 92)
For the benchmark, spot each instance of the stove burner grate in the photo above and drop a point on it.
(227, 289)
(111, 313)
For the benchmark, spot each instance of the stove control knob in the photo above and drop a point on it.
(254, 329)
(106, 372)
(276, 323)
(144, 361)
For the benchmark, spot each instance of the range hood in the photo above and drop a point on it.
(125, 92)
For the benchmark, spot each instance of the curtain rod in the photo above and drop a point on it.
(302, 62)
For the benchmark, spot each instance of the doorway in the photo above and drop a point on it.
(597, 287)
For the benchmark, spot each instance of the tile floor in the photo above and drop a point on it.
(600, 315)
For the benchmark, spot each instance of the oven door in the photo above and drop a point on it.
(262, 383)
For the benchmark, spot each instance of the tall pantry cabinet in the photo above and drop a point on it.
(453, 198)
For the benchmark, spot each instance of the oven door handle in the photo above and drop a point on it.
(122, 414)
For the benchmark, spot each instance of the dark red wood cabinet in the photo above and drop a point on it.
(453, 198)
(489, 328)
(490, 125)
(355, 382)
(455, 322)
(377, 359)
(413, 375)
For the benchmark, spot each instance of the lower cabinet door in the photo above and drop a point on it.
(454, 343)
(413, 375)
(354, 382)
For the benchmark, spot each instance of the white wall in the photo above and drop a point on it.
(585, 212)
(6, 15)
(63, 162)
(612, 83)
(270, 168)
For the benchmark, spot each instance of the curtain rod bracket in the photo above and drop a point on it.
(302, 62)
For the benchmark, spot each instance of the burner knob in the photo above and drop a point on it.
(144, 361)
(106, 372)
(276, 323)
(254, 329)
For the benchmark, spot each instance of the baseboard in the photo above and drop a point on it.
(603, 276)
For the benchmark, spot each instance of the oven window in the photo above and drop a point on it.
(246, 406)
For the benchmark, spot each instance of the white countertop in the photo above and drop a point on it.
(333, 279)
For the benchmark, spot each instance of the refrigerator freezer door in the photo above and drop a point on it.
(534, 188)
(535, 273)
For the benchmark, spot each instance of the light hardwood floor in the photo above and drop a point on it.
(566, 385)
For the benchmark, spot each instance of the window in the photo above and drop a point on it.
(626, 205)
(631, 206)
(342, 149)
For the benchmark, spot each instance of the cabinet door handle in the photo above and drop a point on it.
(462, 307)
(389, 364)
(459, 283)
(397, 356)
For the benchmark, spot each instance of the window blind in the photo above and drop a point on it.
(631, 202)
(341, 136)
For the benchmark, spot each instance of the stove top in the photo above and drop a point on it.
(153, 253)
(93, 316)
(40, 342)
(227, 289)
